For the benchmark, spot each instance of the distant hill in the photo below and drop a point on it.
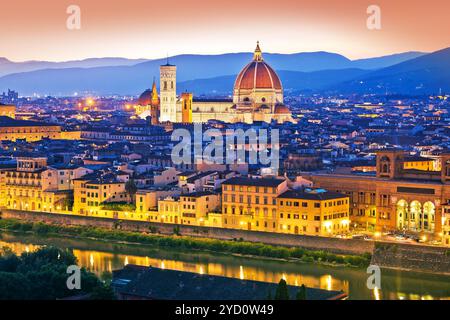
(386, 61)
(212, 74)
(10, 67)
(423, 75)
(291, 80)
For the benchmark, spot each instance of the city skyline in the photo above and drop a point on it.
(152, 30)
(209, 151)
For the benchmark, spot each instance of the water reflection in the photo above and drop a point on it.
(100, 257)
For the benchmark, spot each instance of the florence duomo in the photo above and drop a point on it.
(257, 96)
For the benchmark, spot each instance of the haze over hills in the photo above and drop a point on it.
(10, 67)
(292, 81)
(423, 75)
(215, 74)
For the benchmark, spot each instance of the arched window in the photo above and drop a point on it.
(429, 213)
(415, 218)
(402, 214)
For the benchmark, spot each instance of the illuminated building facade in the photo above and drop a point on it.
(7, 111)
(397, 198)
(313, 212)
(197, 209)
(33, 186)
(91, 192)
(446, 224)
(11, 129)
(251, 204)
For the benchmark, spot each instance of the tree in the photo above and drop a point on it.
(282, 292)
(301, 293)
(131, 188)
(43, 275)
(102, 292)
(8, 260)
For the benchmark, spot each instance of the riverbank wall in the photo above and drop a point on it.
(411, 257)
(399, 256)
(340, 246)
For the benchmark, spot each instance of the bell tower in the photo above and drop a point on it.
(390, 163)
(186, 107)
(168, 89)
(154, 104)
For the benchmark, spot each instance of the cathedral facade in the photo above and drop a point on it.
(257, 96)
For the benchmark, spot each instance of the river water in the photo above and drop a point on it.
(104, 257)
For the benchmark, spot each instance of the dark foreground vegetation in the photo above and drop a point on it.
(221, 246)
(42, 275)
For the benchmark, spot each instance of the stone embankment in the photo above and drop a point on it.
(399, 256)
(412, 257)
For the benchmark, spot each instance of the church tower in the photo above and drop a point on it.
(168, 88)
(155, 104)
(186, 107)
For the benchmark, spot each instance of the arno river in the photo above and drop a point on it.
(103, 257)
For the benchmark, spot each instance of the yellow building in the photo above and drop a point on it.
(169, 210)
(32, 186)
(23, 185)
(196, 209)
(421, 164)
(313, 212)
(196, 206)
(147, 199)
(92, 192)
(250, 203)
(11, 129)
(7, 111)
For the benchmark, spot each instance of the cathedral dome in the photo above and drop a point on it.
(257, 75)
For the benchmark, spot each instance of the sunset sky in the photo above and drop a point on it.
(36, 30)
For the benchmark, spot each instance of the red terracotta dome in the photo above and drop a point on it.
(281, 109)
(257, 75)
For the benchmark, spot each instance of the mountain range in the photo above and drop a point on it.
(407, 73)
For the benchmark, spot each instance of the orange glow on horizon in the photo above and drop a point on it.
(151, 29)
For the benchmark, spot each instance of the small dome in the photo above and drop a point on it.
(281, 109)
(145, 98)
